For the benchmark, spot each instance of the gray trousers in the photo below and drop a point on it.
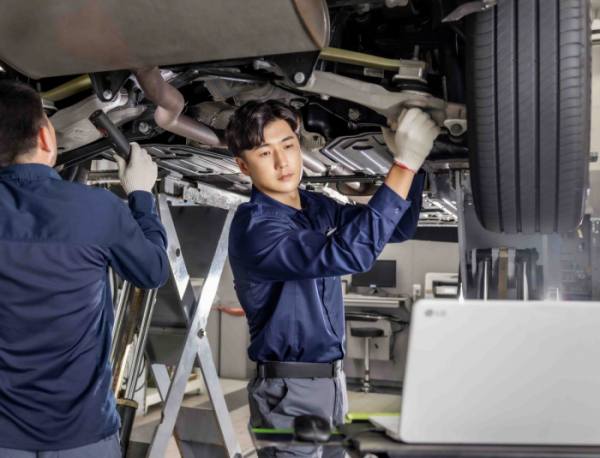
(275, 402)
(109, 447)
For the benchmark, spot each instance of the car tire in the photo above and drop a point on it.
(529, 100)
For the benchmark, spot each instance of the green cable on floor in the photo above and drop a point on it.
(350, 417)
(279, 431)
(364, 416)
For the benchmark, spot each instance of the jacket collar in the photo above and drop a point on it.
(259, 197)
(28, 172)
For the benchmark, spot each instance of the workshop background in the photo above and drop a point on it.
(228, 331)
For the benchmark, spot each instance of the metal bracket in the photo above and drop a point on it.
(297, 67)
(469, 8)
(456, 127)
(185, 193)
(442, 195)
(106, 85)
(379, 99)
(411, 70)
(365, 153)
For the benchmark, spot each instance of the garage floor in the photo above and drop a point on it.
(236, 397)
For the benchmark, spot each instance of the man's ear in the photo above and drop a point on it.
(242, 165)
(47, 144)
(46, 141)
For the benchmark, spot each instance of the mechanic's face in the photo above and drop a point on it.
(276, 165)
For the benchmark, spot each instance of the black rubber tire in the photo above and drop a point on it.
(528, 102)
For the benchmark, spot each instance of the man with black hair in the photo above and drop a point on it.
(288, 249)
(57, 240)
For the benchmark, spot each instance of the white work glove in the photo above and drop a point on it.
(140, 173)
(413, 139)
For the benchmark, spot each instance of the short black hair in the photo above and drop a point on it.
(21, 118)
(246, 127)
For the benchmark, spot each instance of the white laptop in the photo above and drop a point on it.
(501, 372)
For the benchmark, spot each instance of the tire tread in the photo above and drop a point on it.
(529, 90)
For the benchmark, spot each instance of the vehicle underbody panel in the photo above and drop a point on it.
(177, 102)
(74, 37)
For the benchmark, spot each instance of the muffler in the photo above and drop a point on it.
(170, 103)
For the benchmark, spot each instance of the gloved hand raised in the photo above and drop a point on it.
(140, 174)
(413, 139)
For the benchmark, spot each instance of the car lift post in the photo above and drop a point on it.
(503, 266)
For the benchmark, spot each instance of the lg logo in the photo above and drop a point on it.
(431, 312)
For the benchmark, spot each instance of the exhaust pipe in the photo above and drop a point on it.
(342, 170)
(314, 165)
(170, 105)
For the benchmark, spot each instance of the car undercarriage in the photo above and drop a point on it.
(371, 69)
(516, 150)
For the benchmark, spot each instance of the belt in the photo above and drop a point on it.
(299, 370)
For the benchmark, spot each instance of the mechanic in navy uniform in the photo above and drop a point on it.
(57, 240)
(289, 247)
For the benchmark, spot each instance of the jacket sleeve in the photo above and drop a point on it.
(406, 228)
(138, 252)
(272, 249)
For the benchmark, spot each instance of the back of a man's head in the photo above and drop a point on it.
(21, 118)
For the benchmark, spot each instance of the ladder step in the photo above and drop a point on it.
(198, 424)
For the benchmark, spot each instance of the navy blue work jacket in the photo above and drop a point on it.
(57, 239)
(287, 265)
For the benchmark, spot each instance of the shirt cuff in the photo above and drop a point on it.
(389, 204)
(416, 190)
(141, 200)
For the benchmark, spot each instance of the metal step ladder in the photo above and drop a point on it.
(176, 335)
